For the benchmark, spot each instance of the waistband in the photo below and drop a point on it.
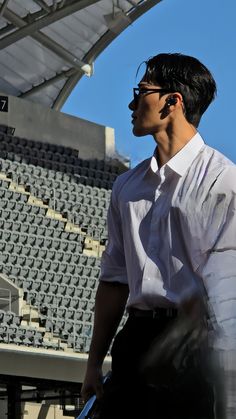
(157, 313)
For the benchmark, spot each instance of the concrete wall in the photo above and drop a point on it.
(46, 364)
(33, 121)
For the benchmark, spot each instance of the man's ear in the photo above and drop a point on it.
(171, 101)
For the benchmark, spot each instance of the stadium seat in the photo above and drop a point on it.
(20, 334)
(70, 313)
(11, 334)
(3, 257)
(28, 339)
(34, 274)
(26, 250)
(27, 284)
(29, 262)
(2, 314)
(37, 339)
(66, 301)
(66, 280)
(63, 268)
(58, 278)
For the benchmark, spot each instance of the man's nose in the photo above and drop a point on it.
(131, 105)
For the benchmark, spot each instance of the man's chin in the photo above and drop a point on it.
(138, 132)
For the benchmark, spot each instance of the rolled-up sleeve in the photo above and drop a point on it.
(113, 266)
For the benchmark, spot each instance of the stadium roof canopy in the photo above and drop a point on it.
(46, 46)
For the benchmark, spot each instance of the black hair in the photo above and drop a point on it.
(186, 75)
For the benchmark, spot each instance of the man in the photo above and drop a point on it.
(171, 240)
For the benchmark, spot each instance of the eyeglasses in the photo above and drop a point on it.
(138, 91)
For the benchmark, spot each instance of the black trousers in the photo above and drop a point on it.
(128, 397)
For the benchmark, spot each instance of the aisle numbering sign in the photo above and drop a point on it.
(3, 103)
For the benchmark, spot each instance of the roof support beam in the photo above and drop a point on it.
(62, 3)
(71, 6)
(43, 5)
(63, 75)
(133, 3)
(68, 87)
(48, 43)
(3, 7)
(28, 19)
(100, 46)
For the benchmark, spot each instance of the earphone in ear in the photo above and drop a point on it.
(171, 101)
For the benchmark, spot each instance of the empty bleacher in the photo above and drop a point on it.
(52, 233)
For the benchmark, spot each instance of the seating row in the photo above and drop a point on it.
(53, 152)
(38, 230)
(13, 266)
(38, 176)
(78, 218)
(40, 242)
(26, 337)
(80, 281)
(36, 299)
(50, 313)
(66, 327)
(9, 317)
(38, 145)
(61, 289)
(18, 249)
(33, 219)
(64, 172)
(49, 226)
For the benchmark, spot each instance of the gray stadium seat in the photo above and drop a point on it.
(38, 339)
(58, 277)
(33, 274)
(66, 279)
(24, 272)
(62, 312)
(27, 284)
(71, 269)
(62, 289)
(78, 292)
(3, 257)
(19, 336)
(2, 313)
(70, 313)
(28, 339)
(38, 263)
(26, 250)
(66, 301)
(11, 333)
(29, 262)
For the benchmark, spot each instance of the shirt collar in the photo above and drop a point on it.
(182, 160)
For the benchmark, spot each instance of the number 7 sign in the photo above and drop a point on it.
(3, 103)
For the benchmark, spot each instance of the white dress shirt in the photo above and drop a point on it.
(173, 229)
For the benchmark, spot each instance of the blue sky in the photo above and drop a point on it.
(203, 28)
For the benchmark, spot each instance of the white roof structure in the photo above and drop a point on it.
(46, 46)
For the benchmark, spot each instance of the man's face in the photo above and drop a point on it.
(148, 109)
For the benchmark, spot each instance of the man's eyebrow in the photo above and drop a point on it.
(142, 83)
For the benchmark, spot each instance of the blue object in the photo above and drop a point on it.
(88, 408)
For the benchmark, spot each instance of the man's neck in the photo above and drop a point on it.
(172, 140)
